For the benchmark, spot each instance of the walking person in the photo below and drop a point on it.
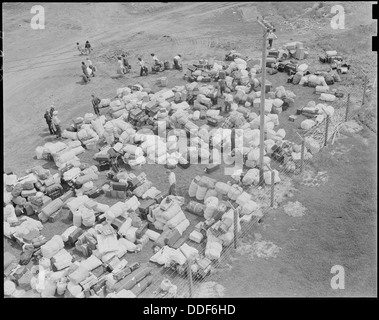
(57, 125)
(91, 66)
(172, 182)
(228, 101)
(95, 104)
(88, 47)
(48, 119)
(270, 37)
(121, 65)
(85, 71)
(143, 67)
(177, 62)
(80, 49)
(222, 86)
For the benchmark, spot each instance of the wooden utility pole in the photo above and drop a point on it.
(266, 28)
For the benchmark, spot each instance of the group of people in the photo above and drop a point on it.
(125, 67)
(123, 64)
(87, 48)
(53, 122)
(85, 69)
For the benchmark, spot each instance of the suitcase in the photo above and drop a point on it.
(135, 113)
(222, 74)
(102, 157)
(28, 193)
(273, 54)
(290, 68)
(121, 274)
(118, 222)
(103, 166)
(281, 67)
(73, 237)
(141, 229)
(158, 199)
(212, 122)
(94, 193)
(145, 205)
(134, 266)
(211, 168)
(119, 186)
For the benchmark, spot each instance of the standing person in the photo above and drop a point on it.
(143, 67)
(177, 63)
(52, 109)
(222, 86)
(91, 66)
(121, 65)
(79, 47)
(172, 182)
(47, 117)
(88, 47)
(95, 104)
(228, 101)
(57, 125)
(84, 69)
(125, 61)
(270, 37)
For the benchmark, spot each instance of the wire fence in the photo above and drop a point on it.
(187, 280)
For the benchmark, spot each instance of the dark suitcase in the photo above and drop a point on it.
(94, 192)
(192, 68)
(206, 79)
(119, 186)
(103, 157)
(211, 168)
(135, 114)
(160, 197)
(121, 274)
(145, 205)
(184, 165)
(118, 222)
(212, 122)
(104, 166)
(273, 53)
(323, 58)
(222, 74)
(134, 266)
(73, 237)
(290, 68)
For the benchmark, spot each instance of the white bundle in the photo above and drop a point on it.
(249, 207)
(307, 124)
(327, 97)
(211, 206)
(177, 219)
(267, 177)
(193, 188)
(200, 192)
(68, 135)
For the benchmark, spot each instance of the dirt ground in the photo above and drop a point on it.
(42, 67)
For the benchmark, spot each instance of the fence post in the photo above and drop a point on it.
(235, 228)
(189, 272)
(347, 107)
(364, 91)
(326, 130)
(302, 155)
(272, 187)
